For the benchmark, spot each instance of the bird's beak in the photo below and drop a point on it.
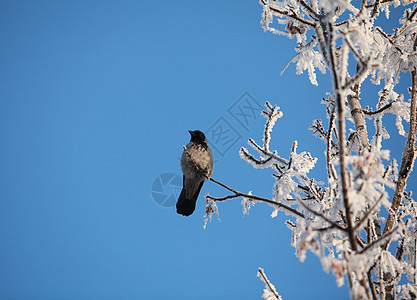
(191, 132)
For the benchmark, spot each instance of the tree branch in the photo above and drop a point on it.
(378, 111)
(408, 157)
(254, 197)
(333, 224)
(269, 284)
(292, 15)
(342, 142)
(379, 240)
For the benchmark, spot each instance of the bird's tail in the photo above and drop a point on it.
(186, 206)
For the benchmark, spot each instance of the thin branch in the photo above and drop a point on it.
(381, 2)
(342, 142)
(358, 76)
(270, 286)
(379, 240)
(261, 150)
(310, 12)
(371, 283)
(378, 111)
(254, 197)
(252, 158)
(375, 9)
(366, 216)
(408, 158)
(329, 140)
(409, 20)
(355, 53)
(292, 15)
(389, 39)
(333, 224)
(222, 198)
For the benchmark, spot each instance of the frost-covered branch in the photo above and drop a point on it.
(254, 197)
(408, 158)
(270, 293)
(341, 130)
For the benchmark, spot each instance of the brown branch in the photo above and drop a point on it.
(310, 12)
(381, 2)
(355, 53)
(333, 224)
(365, 217)
(389, 39)
(358, 76)
(378, 111)
(254, 197)
(252, 143)
(342, 142)
(286, 13)
(379, 240)
(329, 140)
(321, 35)
(268, 283)
(222, 198)
(375, 9)
(408, 157)
(252, 158)
(371, 282)
(409, 20)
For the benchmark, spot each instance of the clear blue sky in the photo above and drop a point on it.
(96, 100)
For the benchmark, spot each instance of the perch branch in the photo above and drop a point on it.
(254, 197)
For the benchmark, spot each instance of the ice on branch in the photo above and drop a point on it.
(247, 203)
(270, 293)
(308, 59)
(211, 207)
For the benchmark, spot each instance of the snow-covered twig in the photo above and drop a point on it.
(270, 293)
(408, 158)
(254, 197)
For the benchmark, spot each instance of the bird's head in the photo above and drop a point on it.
(198, 137)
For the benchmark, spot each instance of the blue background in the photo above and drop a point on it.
(96, 100)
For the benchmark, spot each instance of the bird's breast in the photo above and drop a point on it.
(201, 157)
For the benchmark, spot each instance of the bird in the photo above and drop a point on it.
(197, 165)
